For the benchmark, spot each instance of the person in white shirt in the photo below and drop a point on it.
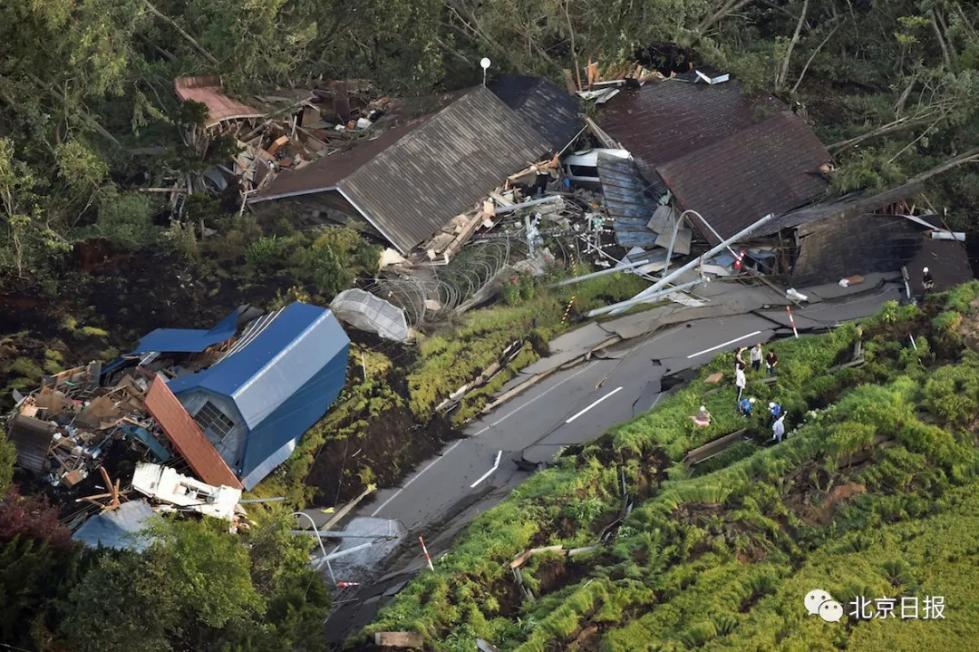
(756, 357)
(740, 380)
(778, 429)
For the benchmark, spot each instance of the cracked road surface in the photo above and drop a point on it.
(569, 407)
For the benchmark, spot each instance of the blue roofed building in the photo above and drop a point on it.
(189, 340)
(276, 380)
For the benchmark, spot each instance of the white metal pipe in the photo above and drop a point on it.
(601, 272)
(653, 290)
(716, 249)
(656, 296)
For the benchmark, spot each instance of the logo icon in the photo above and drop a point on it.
(820, 603)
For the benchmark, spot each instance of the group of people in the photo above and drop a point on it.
(755, 356)
(746, 404)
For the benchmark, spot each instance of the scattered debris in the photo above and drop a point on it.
(217, 400)
(164, 485)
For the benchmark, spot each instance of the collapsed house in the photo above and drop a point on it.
(692, 157)
(229, 404)
(411, 180)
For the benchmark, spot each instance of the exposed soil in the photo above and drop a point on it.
(392, 446)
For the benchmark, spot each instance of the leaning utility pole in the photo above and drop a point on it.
(653, 290)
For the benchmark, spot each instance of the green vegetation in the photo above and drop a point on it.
(195, 587)
(531, 313)
(873, 494)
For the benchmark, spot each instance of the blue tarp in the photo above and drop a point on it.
(188, 340)
(119, 528)
(283, 374)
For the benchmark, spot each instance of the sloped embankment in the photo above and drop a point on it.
(879, 469)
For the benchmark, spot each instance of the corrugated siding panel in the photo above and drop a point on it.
(626, 201)
(187, 437)
(771, 167)
(443, 168)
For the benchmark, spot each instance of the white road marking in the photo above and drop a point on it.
(496, 465)
(418, 475)
(720, 346)
(613, 392)
(533, 400)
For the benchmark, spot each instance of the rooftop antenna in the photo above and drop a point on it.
(484, 63)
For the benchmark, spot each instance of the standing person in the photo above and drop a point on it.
(739, 357)
(740, 380)
(778, 429)
(927, 283)
(756, 357)
(771, 362)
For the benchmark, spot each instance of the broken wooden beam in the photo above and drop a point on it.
(712, 448)
(399, 639)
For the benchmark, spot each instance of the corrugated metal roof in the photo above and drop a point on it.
(415, 182)
(626, 201)
(209, 91)
(770, 167)
(186, 436)
(548, 109)
(31, 437)
(288, 371)
(665, 120)
(188, 340)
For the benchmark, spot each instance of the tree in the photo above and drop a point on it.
(8, 456)
(27, 235)
(38, 563)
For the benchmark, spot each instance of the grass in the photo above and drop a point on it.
(454, 357)
(879, 458)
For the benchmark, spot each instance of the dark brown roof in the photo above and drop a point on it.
(187, 437)
(665, 120)
(855, 203)
(770, 167)
(841, 246)
(415, 184)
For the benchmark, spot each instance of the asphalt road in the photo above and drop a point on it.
(572, 406)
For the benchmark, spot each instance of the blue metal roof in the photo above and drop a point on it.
(188, 340)
(283, 373)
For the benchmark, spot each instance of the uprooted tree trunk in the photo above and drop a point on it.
(190, 39)
(970, 156)
(727, 8)
(783, 72)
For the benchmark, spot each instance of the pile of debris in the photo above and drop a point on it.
(229, 404)
(63, 430)
(285, 130)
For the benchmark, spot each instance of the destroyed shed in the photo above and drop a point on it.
(209, 91)
(413, 179)
(279, 378)
(230, 403)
